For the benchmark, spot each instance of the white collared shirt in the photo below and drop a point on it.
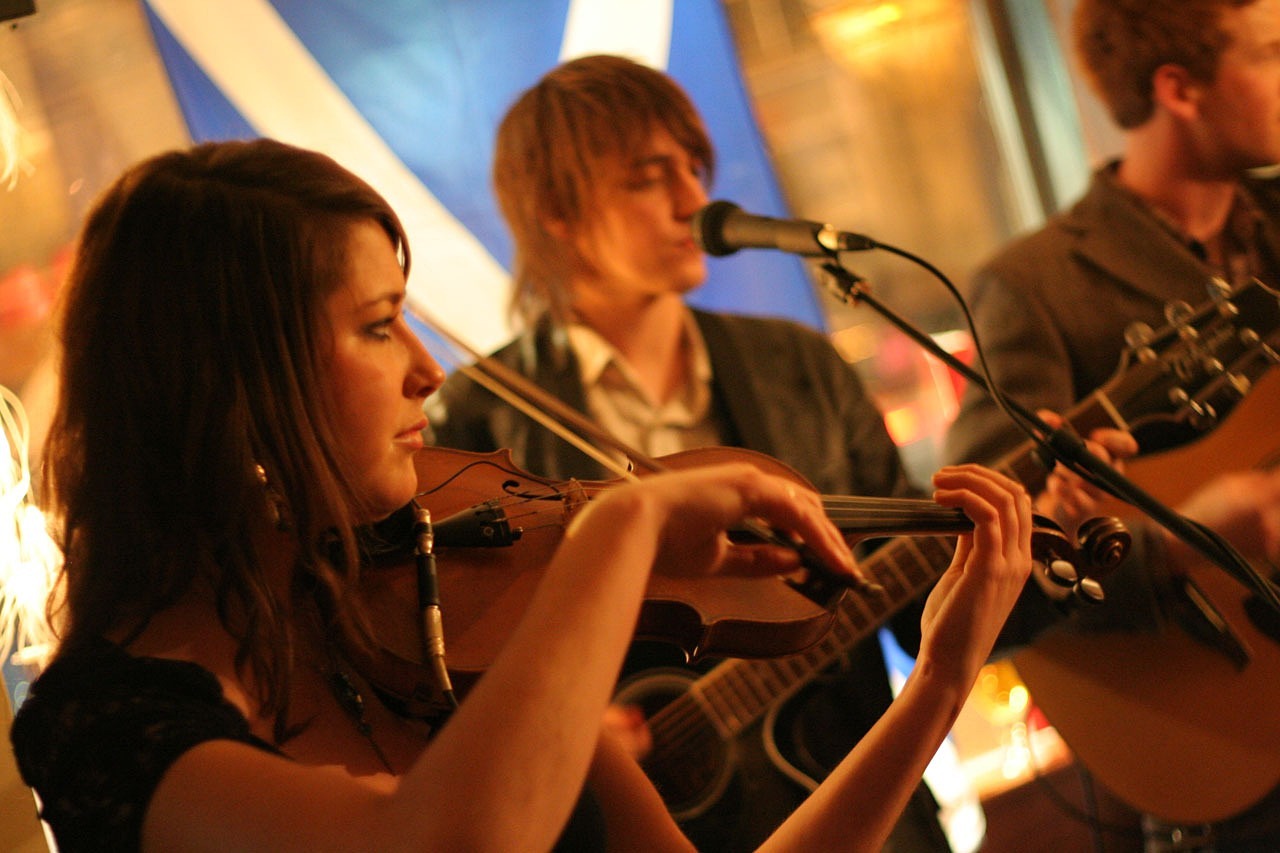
(618, 403)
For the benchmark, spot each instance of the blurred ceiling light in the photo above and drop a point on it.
(851, 25)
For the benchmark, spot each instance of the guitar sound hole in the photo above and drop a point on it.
(690, 764)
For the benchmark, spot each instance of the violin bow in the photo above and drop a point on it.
(562, 419)
(534, 401)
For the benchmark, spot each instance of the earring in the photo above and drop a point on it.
(277, 508)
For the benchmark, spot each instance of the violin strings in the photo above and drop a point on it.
(871, 503)
(897, 515)
(546, 509)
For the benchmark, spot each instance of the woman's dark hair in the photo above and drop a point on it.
(192, 352)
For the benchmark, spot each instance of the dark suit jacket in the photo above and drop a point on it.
(1052, 308)
(1051, 311)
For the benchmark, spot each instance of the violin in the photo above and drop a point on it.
(495, 527)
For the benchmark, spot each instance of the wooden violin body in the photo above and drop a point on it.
(496, 527)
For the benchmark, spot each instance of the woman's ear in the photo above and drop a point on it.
(1176, 92)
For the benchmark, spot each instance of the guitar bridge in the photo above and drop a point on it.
(1201, 620)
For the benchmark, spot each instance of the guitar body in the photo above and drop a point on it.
(1249, 437)
(728, 794)
(1165, 721)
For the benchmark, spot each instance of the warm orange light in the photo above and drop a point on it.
(854, 25)
(904, 425)
(9, 133)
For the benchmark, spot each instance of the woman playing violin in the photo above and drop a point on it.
(240, 392)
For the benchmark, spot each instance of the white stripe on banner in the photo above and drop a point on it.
(638, 29)
(242, 44)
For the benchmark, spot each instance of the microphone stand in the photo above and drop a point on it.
(1066, 446)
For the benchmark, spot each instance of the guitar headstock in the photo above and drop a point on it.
(1176, 383)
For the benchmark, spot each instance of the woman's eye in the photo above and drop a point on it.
(381, 329)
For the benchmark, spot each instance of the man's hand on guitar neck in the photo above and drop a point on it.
(1243, 506)
(1067, 499)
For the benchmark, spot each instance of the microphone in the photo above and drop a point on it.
(722, 228)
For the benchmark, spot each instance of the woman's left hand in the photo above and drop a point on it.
(971, 601)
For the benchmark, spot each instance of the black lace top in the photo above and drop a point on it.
(99, 729)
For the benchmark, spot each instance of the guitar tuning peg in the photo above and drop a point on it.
(1203, 415)
(1089, 591)
(1137, 338)
(1178, 313)
(1138, 335)
(1239, 383)
(1218, 288)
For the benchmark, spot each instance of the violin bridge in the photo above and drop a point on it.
(574, 497)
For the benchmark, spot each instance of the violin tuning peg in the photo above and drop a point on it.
(1062, 573)
(1089, 591)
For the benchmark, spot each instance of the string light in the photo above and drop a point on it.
(9, 133)
(29, 559)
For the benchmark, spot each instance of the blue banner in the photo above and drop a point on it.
(408, 94)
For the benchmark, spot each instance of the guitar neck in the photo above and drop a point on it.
(1026, 463)
(1156, 382)
(737, 692)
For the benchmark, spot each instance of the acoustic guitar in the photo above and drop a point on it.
(1183, 722)
(1172, 385)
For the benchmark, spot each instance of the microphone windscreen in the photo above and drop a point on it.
(708, 228)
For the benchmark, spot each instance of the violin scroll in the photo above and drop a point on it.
(1104, 542)
(1101, 544)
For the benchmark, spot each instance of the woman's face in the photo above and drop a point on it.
(380, 372)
